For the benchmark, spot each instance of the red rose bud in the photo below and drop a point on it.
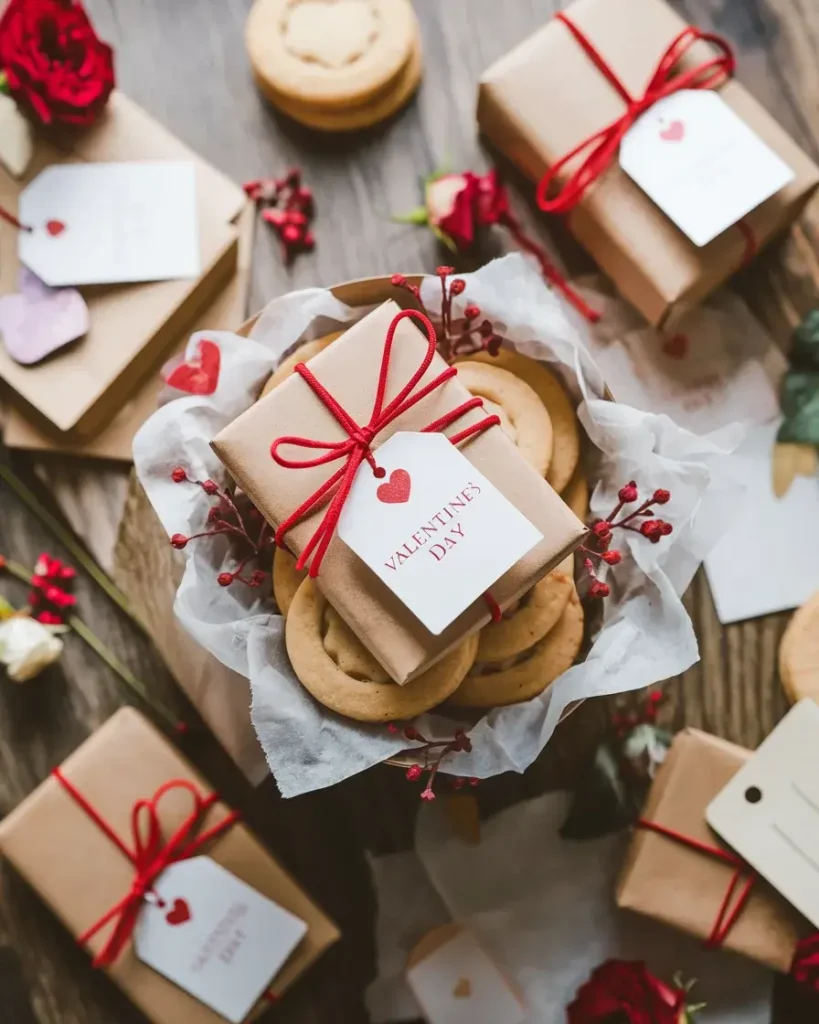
(56, 68)
(598, 589)
(661, 496)
(444, 271)
(628, 493)
(612, 557)
(411, 732)
(398, 280)
(209, 487)
(427, 794)
(457, 287)
(655, 529)
(178, 541)
(178, 475)
(224, 579)
(414, 773)
(472, 312)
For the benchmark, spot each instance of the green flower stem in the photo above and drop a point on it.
(65, 537)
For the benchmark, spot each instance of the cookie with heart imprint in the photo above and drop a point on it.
(335, 667)
(303, 354)
(799, 653)
(526, 415)
(513, 680)
(330, 57)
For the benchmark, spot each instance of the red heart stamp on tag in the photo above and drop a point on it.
(179, 913)
(397, 490)
(674, 132)
(676, 347)
(55, 227)
(200, 375)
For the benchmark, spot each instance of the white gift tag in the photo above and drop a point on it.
(459, 983)
(433, 528)
(111, 223)
(769, 811)
(216, 937)
(701, 163)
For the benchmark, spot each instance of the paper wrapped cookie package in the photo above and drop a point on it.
(79, 871)
(547, 96)
(685, 887)
(349, 370)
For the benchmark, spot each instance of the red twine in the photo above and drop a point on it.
(601, 148)
(150, 854)
(9, 218)
(357, 447)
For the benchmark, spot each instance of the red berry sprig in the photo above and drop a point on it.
(50, 600)
(456, 337)
(433, 753)
(238, 518)
(288, 206)
(600, 538)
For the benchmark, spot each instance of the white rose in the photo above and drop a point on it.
(27, 647)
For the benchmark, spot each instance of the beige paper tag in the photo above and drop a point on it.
(769, 811)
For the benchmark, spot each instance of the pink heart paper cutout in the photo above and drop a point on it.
(674, 132)
(38, 321)
(179, 913)
(199, 375)
(397, 490)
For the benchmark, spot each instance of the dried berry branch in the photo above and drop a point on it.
(598, 545)
(433, 753)
(289, 208)
(234, 516)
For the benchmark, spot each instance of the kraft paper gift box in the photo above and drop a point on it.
(685, 887)
(80, 389)
(349, 369)
(547, 96)
(81, 874)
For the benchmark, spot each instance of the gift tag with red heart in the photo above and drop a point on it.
(704, 166)
(214, 936)
(432, 527)
(110, 223)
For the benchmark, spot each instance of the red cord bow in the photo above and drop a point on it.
(150, 855)
(356, 448)
(601, 148)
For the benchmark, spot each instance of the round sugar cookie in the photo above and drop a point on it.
(356, 118)
(303, 354)
(329, 54)
(495, 684)
(576, 495)
(533, 616)
(286, 579)
(799, 653)
(529, 420)
(566, 445)
(336, 668)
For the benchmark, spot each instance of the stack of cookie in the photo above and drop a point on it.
(509, 661)
(335, 65)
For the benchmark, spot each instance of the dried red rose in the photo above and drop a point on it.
(625, 991)
(55, 67)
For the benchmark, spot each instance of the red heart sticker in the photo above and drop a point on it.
(397, 490)
(676, 347)
(200, 375)
(674, 132)
(55, 227)
(179, 913)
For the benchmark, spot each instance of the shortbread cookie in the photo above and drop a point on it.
(336, 668)
(799, 653)
(566, 445)
(576, 495)
(494, 684)
(353, 119)
(286, 579)
(531, 618)
(303, 354)
(329, 54)
(526, 414)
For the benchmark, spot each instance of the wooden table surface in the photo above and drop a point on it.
(185, 62)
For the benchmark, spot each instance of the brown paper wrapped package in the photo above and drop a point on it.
(80, 874)
(80, 389)
(685, 888)
(546, 96)
(349, 370)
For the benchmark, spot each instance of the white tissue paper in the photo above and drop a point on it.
(548, 919)
(646, 635)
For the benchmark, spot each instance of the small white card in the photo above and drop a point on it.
(763, 563)
(433, 528)
(112, 223)
(769, 811)
(216, 937)
(701, 163)
(459, 983)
